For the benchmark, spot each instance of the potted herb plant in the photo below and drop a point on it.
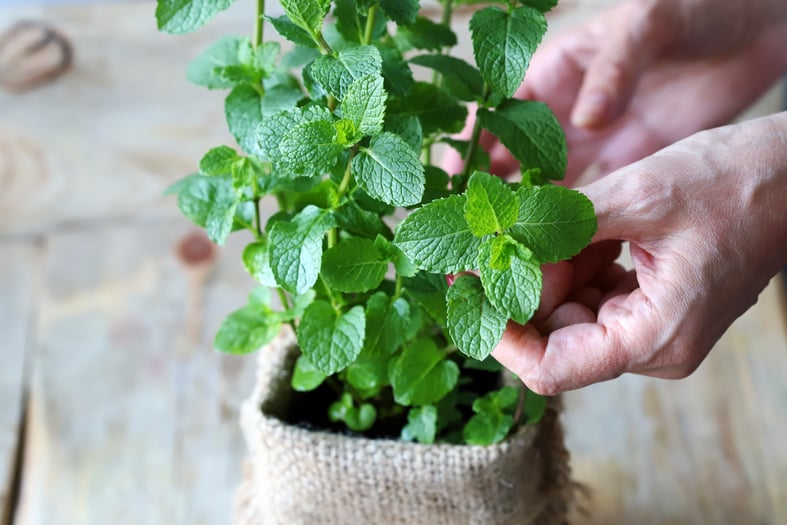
(376, 400)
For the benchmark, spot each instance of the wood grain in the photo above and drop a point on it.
(18, 283)
(132, 419)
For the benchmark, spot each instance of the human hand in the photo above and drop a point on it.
(623, 90)
(707, 230)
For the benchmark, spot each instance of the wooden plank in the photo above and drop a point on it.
(18, 278)
(133, 417)
(708, 449)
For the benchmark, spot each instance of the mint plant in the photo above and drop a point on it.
(340, 133)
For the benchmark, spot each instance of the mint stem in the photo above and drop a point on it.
(474, 141)
(371, 14)
(258, 21)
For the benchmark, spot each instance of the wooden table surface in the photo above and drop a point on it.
(114, 408)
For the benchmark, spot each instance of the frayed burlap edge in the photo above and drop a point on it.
(549, 505)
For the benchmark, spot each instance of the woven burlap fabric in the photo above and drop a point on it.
(297, 476)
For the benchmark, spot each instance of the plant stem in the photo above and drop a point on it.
(474, 141)
(520, 405)
(258, 21)
(347, 174)
(371, 14)
(286, 305)
(257, 220)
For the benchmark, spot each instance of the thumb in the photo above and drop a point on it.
(614, 72)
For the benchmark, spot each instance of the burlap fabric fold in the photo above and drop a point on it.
(296, 476)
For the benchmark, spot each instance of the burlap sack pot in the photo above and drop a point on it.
(297, 476)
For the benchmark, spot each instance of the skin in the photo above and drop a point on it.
(703, 211)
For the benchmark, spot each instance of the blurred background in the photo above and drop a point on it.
(114, 407)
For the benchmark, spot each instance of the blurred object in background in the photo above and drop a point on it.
(32, 54)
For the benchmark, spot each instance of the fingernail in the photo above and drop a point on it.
(592, 111)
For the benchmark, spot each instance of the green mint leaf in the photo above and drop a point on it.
(183, 16)
(336, 73)
(296, 248)
(275, 127)
(348, 21)
(421, 425)
(396, 72)
(305, 377)
(403, 12)
(438, 110)
(210, 202)
(428, 290)
(218, 161)
(205, 70)
(473, 323)
(555, 223)
(359, 222)
(179, 185)
(422, 375)
(503, 43)
(246, 330)
(437, 238)
(424, 34)
(460, 78)
(358, 419)
(364, 104)
(347, 132)
(493, 419)
(310, 149)
(257, 263)
(390, 171)
(491, 205)
(408, 127)
(437, 182)
(243, 109)
(354, 265)
(403, 266)
(331, 340)
(541, 5)
(511, 278)
(307, 14)
(531, 133)
(289, 30)
(534, 407)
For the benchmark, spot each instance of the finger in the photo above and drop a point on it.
(592, 260)
(555, 287)
(567, 314)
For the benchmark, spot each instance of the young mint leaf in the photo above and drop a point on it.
(305, 377)
(307, 14)
(408, 127)
(183, 16)
(436, 108)
(243, 109)
(179, 185)
(296, 248)
(396, 72)
(403, 12)
(511, 278)
(210, 202)
(364, 104)
(428, 290)
(503, 43)
(218, 161)
(491, 206)
(310, 149)
(246, 330)
(473, 323)
(437, 238)
(531, 133)
(347, 132)
(275, 127)
(205, 70)
(422, 375)
(286, 28)
(390, 171)
(354, 265)
(421, 425)
(336, 73)
(554, 222)
(257, 263)
(460, 78)
(331, 340)
(357, 419)
(493, 420)
(424, 34)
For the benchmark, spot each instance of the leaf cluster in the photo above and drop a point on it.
(339, 132)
